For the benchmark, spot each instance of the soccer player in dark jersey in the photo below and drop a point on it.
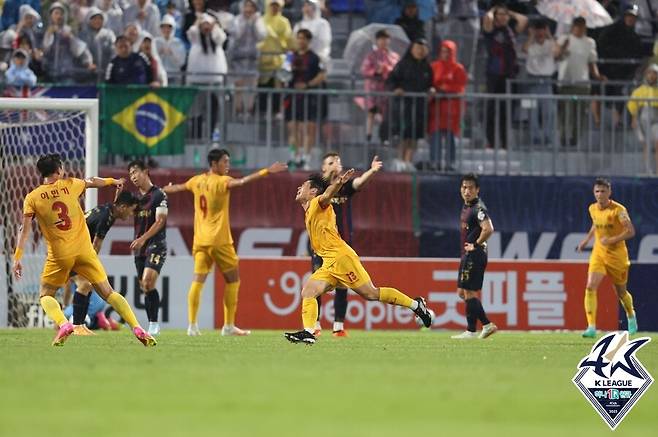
(342, 205)
(150, 244)
(99, 221)
(476, 228)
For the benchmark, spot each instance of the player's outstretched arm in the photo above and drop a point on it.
(96, 182)
(374, 168)
(277, 167)
(325, 198)
(26, 229)
(174, 188)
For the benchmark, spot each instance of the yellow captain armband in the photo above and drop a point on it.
(108, 181)
(263, 172)
(18, 254)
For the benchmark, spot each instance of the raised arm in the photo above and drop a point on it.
(96, 182)
(277, 167)
(174, 188)
(376, 165)
(26, 229)
(325, 198)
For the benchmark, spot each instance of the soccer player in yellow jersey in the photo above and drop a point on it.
(56, 206)
(213, 243)
(611, 227)
(341, 266)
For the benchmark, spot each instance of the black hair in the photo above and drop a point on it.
(539, 23)
(603, 182)
(215, 155)
(329, 155)
(318, 182)
(579, 21)
(307, 33)
(471, 177)
(126, 198)
(49, 164)
(382, 33)
(137, 163)
(20, 54)
(120, 38)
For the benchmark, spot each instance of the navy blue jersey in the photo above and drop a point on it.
(342, 204)
(100, 220)
(472, 215)
(145, 217)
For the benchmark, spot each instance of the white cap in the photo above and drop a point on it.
(207, 18)
(168, 20)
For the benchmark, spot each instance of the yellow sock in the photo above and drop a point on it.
(309, 312)
(627, 302)
(590, 306)
(394, 297)
(193, 301)
(121, 306)
(53, 310)
(230, 302)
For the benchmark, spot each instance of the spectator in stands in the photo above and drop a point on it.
(273, 47)
(171, 49)
(577, 58)
(10, 11)
(449, 79)
(19, 73)
(540, 66)
(413, 74)
(376, 67)
(35, 56)
(246, 32)
(144, 13)
(29, 25)
(462, 24)
(647, 23)
(645, 116)
(99, 40)
(319, 28)
(127, 67)
(157, 71)
(206, 62)
(619, 41)
(196, 10)
(113, 15)
(173, 11)
(303, 111)
(409, 21)
(500, 40)
(65, 56)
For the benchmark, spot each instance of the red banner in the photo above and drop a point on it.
(516, 295)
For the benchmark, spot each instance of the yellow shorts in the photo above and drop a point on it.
(616, 268)
(205, 256)
(346, 271)
(87, 265)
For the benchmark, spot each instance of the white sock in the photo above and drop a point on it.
(338, 326)
(317, 325)
(414, 305)
(227, 327)
(309, 330)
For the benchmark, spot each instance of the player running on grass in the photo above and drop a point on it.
(56, 206)
(213, 243)
(99, 221)
(341, 266)
(611, 227)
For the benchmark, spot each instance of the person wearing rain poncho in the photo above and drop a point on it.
(99, 40)
(319, 28)
(113, 15)
(29, 25)
(207, 61)
(274, 45)
(170, 48)
(146, 14)
(146, 47)
(645, 115)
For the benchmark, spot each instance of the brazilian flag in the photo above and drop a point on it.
(140, 120)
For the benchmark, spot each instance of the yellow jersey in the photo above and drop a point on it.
(211, 201)
(323, 233)
(608, 223)
(61, 219)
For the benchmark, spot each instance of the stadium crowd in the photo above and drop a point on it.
(258, 43)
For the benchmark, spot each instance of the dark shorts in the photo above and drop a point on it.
(316, 262)
(471, 270)
(154, 258)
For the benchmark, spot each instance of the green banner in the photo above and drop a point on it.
(145, 121)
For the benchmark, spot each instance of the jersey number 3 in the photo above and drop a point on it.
(203, 205)
(64, 222)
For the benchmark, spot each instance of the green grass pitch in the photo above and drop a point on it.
(371, 384)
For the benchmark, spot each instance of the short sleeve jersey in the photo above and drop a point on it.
(342, 204)
(323, 233)
(473, 214)
(100, 220)
(149, 202)
(608, 222)
(57, 209)
(211, 209)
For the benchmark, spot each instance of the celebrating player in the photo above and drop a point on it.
(213, 243)
(99, 221)
(340, 264)
(150, 244)
(342, 204)
(611, 227)
(476, 228)
(56, 206)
